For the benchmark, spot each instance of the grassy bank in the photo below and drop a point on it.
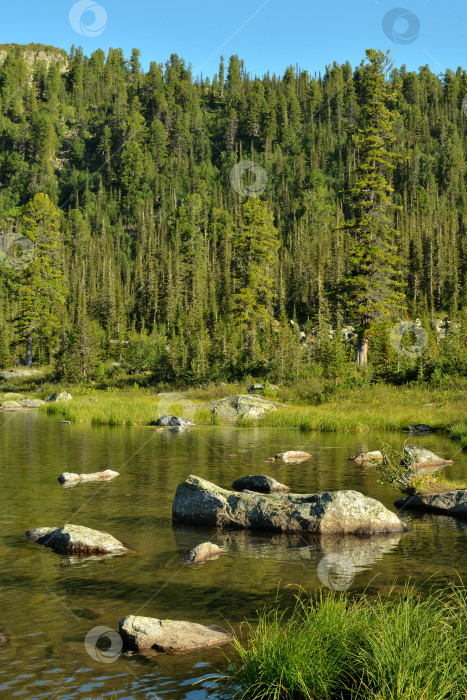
(357, 409)
(390, 647)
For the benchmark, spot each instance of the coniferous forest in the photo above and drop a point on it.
(153, 252)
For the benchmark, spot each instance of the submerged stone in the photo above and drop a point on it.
(206, 550)
(71, 478)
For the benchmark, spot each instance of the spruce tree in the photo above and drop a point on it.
(371, 291)
(41, 287)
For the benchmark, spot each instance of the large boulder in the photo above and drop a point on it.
(259, 483)
(169, 636)
(416, 457)
(202, 503)
(420, 428)
(76, 539)
(449, 502)
(60, 396)
(174, 422)
(71, 478)
(250, 406)
(198, 554)
(256, 387)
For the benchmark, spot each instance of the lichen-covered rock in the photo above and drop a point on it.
(367, 458)
(76, 539)
(174, 421)
(20, 373)
(292, 456)
(71, 478)
(60, 396)
(11, 405)
(250, 406)
(206, 550)
(200, 502)
(415, 457)
(448, 503)
(31, 403)
(259, 483)
(169, 636)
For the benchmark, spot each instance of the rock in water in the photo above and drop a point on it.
(242, 406)
(206, 550)
(260, 483)
(202, 503)
(169, 636)
(31, 403)
(60, 396)
(76, 539)
(420, 428)
(10, 405)
(367, 458)
(71, 478)
(416, 457)
(448, 503)
(174, 422)
(292, 456)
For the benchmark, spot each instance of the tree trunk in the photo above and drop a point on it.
(28, 360)
(361, 356)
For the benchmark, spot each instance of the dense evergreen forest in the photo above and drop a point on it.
(157, 257)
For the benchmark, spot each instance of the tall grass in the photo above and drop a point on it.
(389, 647)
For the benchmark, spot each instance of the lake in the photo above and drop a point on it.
(49, 602)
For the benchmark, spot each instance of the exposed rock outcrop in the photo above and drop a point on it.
(20, 373)
(200, 502)
(198, 554)
(71, 478)
(76, 539)
(60, 396)
(250, 406)
(169, 636)
(259, 483)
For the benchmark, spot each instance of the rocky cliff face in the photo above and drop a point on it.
(35, 53)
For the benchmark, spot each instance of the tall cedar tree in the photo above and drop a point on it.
(41, 289)
(371, 291)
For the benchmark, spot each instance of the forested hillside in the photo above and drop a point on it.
(158, 267)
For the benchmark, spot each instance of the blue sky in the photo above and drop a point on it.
(267, 34)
